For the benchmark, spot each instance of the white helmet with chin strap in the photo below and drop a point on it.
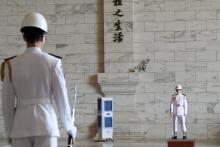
(178, 87)
(34, 19)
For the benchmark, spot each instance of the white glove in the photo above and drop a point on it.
(72, 132)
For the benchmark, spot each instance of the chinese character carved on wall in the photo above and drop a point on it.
(118, 34)
(117, 2)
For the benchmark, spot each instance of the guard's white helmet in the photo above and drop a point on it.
(178, 87)
(34, 19)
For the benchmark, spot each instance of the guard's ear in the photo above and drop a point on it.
(24, 37)
(43, 37)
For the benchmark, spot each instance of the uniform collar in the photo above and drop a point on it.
(33, 50)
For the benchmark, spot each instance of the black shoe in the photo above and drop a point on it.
(184, 137)
(174, 137)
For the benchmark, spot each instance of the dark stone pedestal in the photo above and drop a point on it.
(180, 143)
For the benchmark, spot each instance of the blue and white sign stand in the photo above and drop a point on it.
(105, 119)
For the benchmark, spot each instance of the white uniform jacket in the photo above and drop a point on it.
(179, 105)
(37, 83)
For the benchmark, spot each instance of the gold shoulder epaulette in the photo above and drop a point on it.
(55, 56)
(6, 62)
(2, 70)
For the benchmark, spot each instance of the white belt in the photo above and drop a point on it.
(34, 101)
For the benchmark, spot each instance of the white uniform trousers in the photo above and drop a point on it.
(179, 119)
(37, 141)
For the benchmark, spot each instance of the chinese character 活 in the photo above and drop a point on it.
(118, 37)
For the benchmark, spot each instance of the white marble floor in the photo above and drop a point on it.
(125, 143)
(135, 143)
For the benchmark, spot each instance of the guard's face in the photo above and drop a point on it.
(178, 90)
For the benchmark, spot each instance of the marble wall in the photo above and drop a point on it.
(180, 37)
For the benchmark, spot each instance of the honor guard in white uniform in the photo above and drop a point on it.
(178, 110)
(33, 85)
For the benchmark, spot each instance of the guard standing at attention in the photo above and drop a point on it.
(178, 110)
